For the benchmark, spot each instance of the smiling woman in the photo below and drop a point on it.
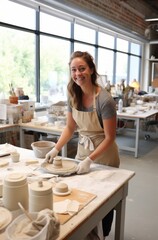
(92, 111)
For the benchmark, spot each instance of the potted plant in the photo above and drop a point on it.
(12, 98)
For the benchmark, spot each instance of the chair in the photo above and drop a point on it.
(152, 123)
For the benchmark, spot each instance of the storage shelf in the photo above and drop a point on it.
(153, 60)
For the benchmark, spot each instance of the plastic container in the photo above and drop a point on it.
(41, 148)
(120, 106)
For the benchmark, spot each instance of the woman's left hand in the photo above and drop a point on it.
(84, 166)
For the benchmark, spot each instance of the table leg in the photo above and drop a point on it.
(137, 137)
(120, 216)
(22, 138)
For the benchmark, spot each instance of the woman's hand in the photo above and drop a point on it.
(84, 166)
(51, 155)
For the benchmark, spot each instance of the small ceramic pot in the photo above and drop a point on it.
(15, 156)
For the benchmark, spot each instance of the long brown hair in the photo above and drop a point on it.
(74, 91)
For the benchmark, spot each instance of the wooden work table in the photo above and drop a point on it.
(110, 185)
(8, 127)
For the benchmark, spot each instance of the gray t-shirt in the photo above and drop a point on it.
(105, 106)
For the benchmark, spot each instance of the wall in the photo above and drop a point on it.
(128, 15)
(124, 14)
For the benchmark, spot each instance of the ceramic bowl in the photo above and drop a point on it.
(41, 148)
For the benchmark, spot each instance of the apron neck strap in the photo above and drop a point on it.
(94, 101)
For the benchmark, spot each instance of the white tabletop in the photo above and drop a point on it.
(103, 181)
(45, 126)
(138, 114)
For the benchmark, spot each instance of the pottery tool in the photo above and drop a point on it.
(28, 216)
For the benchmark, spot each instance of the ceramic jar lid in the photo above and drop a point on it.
(15, 179)
(40, 188)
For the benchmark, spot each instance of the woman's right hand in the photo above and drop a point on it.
(51, 155)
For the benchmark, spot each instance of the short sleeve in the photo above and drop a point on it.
(105, 105)
(69, 108)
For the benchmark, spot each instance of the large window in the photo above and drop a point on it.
(85, 48)
(36, 43)
(122, 45)
(105, 63)
(21, 16)
(106, 40)
(121, 67)
(134, 68)
(135, 48)
(54, 25)
(84, 34)
(17, 61)
(54, 68)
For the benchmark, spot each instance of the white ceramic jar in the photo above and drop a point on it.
(15, 189)
(15, 156)
(40, 196)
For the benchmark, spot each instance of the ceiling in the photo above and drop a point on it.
(152, 3)
(151, 31)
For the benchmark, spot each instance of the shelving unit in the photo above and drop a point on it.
(153, 59)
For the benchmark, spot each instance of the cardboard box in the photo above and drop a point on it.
(28, 139)
(27, 105)
(28, 108)
(155, 83)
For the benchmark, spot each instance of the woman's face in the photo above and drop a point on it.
(80, 72)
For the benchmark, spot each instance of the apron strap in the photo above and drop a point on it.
(87, 142)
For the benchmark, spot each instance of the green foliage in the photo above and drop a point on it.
(17, 61)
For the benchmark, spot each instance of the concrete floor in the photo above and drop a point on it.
(141, 220)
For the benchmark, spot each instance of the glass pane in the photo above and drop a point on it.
(17, 61)
(84, 34)
(54, 59)
(84, 48)
(21, 16)
(105, 65)
(121, 67)
(122, 45)
(105, 40)
(134, 68)
(135, 48)
(54, 25)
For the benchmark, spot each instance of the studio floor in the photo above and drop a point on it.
(141, 220)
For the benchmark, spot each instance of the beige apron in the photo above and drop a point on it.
(91, 134)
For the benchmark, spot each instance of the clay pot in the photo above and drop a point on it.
(13, 99)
